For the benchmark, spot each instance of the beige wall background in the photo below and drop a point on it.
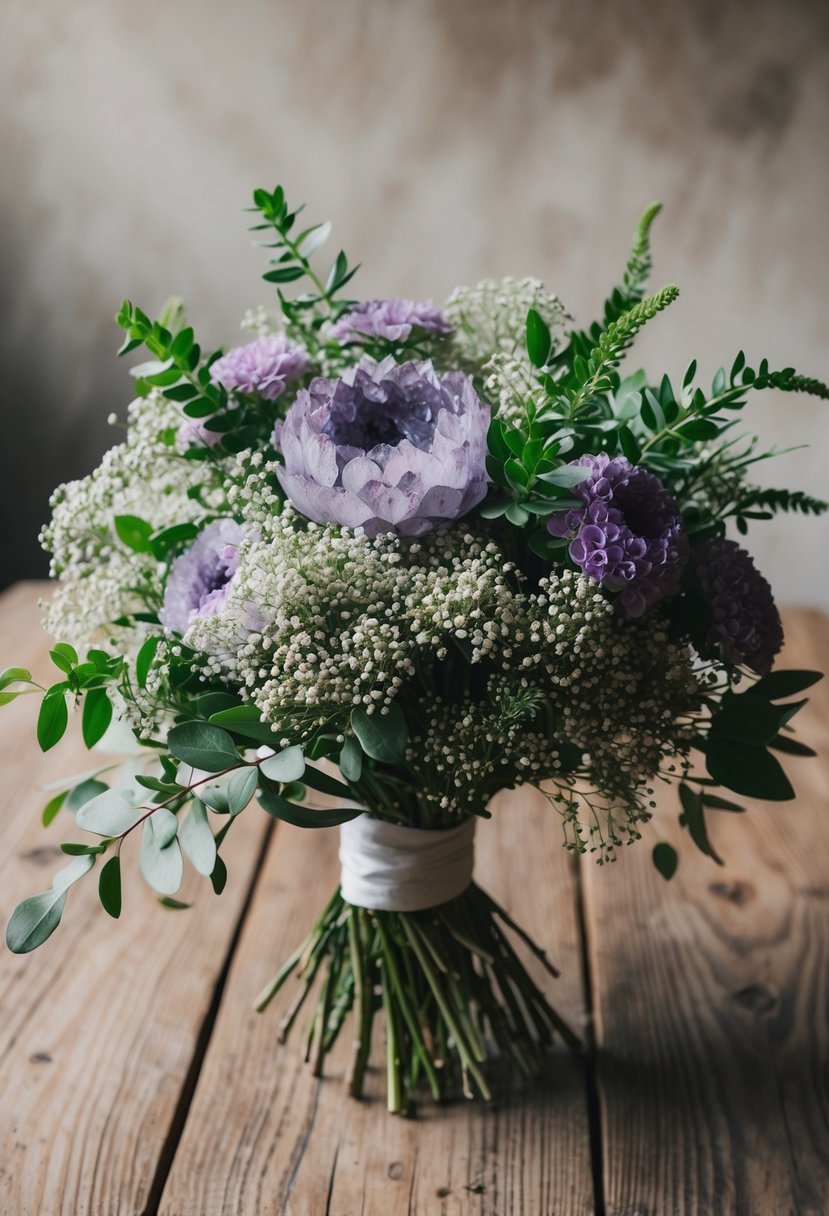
(448, 140)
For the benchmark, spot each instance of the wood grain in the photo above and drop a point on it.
(98, 1028)
(263, 1136)
(713, 1002)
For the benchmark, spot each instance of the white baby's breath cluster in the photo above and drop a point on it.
(491, 318)
(260, 321)
(101, 579)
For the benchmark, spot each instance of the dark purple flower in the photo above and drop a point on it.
(744, 621)
(628, 536)
(392, 319)
(199, 581)
(262, 366)
(388, 448)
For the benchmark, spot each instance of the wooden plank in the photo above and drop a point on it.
(713, 1001)
(98, 1028)
(264, 1137)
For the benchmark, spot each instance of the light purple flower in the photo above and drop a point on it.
(743, 621)
(263, 366)
(628, 536)
(196, 432)
(388, 448)
(200, 580)
(392, 319)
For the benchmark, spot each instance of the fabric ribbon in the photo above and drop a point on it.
(392, 868)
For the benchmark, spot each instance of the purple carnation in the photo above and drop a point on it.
(628, 536)
(744, 621)
(263, 366)
(388, 448)
(200, 580)
(392, 319)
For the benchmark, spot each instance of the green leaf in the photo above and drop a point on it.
(747, 769)
(172, 538)
(160, 857)
(14, 675)
(351, 759)
(175, 905)
(219, 876)
(720, 804)
(664, 857)
(34, 920)
(197, 839)
(241, 788)
(284, 274)
(82, 850)
(135, 533)
(109, 887)
(52, 807)
(383, 736)
(747, 717)
(70, 874)
(203, 746)
(61, 661)
(143, 660)
(315, 779)
(287, 765)
(52, 719)
(538, 339)
(566, 476)
(110, 814)
(785, 743)
(303, 816)
(693, 817)
(97, 715)
(785, 683)
(84, 792)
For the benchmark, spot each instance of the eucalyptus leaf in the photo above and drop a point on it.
(76, 869)
(383, 736)
(160, 858)
(287, 765)
(305, 816)
(241, 789)
(34, 920)
(203, 745)
(197, 840)
(351, 759)
(665, 859)
(110, 814)
(109, 886)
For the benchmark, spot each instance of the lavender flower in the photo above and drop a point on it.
(389, 448)
(200, 580)
(744, 621)
(628, 536)
(262, 366)
(392, 319)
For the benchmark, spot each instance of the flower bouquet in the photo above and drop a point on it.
(378, 563)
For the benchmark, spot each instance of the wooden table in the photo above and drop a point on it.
(135, 1078)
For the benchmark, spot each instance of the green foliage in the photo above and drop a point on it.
(33, 920)
(109, 814)
(197, 840)
(204, 746)
(287, 765)
(381, 736)
(160, 857)
(304, 816)
(109, 887)
(665, 859)
(53, 717)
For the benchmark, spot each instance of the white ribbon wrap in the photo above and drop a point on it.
(398, 869)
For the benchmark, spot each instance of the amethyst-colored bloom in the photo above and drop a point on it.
(392, 319)
(743, 620)
(196, 432)
(263, 366)
(200, 580)
(388, 448)
(628, 536)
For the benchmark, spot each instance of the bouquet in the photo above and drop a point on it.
(379, 562)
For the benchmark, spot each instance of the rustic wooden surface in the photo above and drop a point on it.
(134, 1077)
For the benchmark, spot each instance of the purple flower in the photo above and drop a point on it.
(388, 448)
(392, 319)
(262, 366)
(628, 536)
(200, 580)
(743, 621)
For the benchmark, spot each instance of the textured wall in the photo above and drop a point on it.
(447, 140)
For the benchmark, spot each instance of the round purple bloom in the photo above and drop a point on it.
(262, 366)
(744, 620)
(628, 536)
(199, 581)
(392, 319)
(388, 448)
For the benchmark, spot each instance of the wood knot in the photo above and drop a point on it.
(738, 893)
(40, 1057)
(395, 1170)
(756, 998)
(44, 854)
(443, 1191)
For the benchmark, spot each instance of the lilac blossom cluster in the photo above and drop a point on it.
(743, 619)
(392, 319)
(628, 535)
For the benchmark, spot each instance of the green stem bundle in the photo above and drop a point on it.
(449, 982)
